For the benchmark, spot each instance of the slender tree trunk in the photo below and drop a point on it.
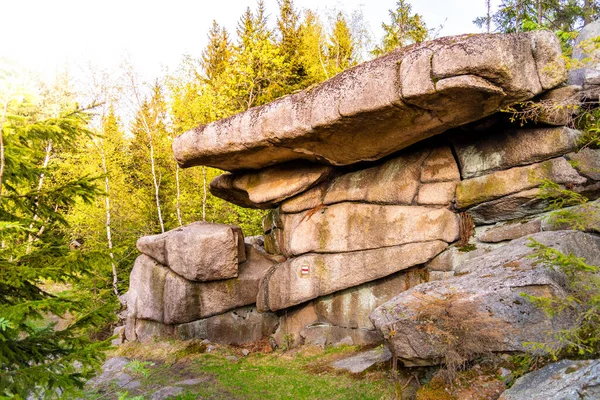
(2, 161)
(30, 237)
(517, 15)
(178, 194)
(156, 185)
(588, 16)
(152, 161)
(109, 242)
(204, 194)
(488, 4)
(540, 13)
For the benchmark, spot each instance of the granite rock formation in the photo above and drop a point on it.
(397, 179)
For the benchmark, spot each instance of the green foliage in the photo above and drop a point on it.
(35, 355)
(404, 29)
(139, 368)
(582, 304)
(565, 17)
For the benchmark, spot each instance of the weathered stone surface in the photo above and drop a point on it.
(440, 166)
(589, 74)
(270, 186)
(440, 84)
(167, 392)
(439, 193)
(292, 322)
(306, 200)
(146, 331)
(324, 334)
(491, 285)
(559, 105)
(286, 285)
(510, 207)
(563, 380)
(199, 251)
(587, 162)
(453, 256)
(393, 182)
(158, 294)
(510, 231)
(363, 361)
(146, 287)
(244, 325)
(350, 308)
(350, 226)
(479, 155)
(484, 188)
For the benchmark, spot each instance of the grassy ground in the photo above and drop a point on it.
(302, 374)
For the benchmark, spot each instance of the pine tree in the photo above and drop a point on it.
(340, 48)
(561, 16)
(404, 29)
(36, 358)
(289, 29)
(217, 53)
(258, 71)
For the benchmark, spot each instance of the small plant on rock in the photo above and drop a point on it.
(459, 330)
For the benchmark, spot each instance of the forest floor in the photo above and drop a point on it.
(194, 370)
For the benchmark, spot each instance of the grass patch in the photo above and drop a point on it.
(298, 374)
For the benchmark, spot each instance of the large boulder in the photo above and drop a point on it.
(268, 187)
(156, 293)
(401, 98)
(313, 275)
(482, 155)
(486, 297)
(347, 227)
(199, 251)
(563, 380)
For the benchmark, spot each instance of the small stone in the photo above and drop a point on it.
(166, 393)
(364, 361)
(347, 341)
(232, 358)
(245, 352)
(510, 231)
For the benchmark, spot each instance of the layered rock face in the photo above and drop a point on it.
(397, 177)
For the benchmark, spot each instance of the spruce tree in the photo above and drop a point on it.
(36, 255)
(404, 28)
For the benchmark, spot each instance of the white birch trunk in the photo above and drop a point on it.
(178, 194)
(109, 242)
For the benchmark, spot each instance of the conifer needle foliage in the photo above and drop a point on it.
(36, 356)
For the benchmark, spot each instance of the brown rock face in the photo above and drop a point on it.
(268, 187)
(384, 105)
(394, 182)
(482, 155)
(351, 226)
(487, 298)
(478, 190)
(157, 293)
(313, 275)
(198, 251)
(243, 325)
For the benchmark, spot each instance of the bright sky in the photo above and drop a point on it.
(47, 35)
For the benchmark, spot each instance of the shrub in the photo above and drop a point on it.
(461, 331)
